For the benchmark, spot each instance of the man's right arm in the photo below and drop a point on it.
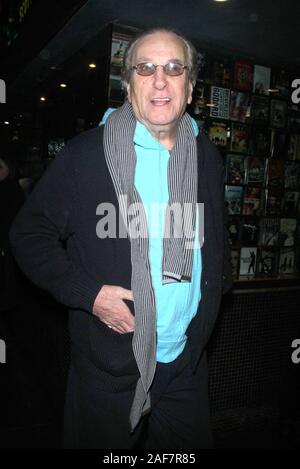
(43, 225)
(38, 234)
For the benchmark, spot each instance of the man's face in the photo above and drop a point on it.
(159, 100)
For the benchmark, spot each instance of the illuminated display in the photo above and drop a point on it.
(12, 19)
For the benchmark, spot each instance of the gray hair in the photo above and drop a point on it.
(191, 55)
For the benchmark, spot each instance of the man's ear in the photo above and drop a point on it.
(128, 92)
(190, 92)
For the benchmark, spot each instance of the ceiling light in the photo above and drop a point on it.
(92, 65)
(6, 122)
(63, 85)
(220, 0)
(42, 98)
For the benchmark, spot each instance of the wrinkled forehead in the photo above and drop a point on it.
(161, 44)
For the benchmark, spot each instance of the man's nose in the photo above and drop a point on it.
(159, 78)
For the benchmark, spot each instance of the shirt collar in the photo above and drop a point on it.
(143, 138)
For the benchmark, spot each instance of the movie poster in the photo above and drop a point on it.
(217, 133)
(242, 75)
(248, 260)
(119, 44)
(278, 113)
(233, 199)
(235, 168)
(239, 106)
(287, 261)
(220, 99)
(262, 79)
(268, 262)
(239, 135)
(269, 231)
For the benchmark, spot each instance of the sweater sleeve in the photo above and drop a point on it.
(227, 272)
(227, 281)
(40, 233)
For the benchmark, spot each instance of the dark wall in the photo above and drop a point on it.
(254, 385)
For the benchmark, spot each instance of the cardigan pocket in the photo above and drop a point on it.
(110, 350)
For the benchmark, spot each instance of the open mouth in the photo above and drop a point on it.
(160, 101)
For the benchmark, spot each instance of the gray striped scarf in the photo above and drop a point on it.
(177, 253)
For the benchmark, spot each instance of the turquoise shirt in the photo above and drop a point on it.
(176, 303)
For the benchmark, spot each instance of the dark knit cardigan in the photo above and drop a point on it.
(55, 243)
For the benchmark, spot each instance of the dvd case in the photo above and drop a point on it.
(273, 200)
(242, 75)
(235, 168)
(259, 142)
(233, 228)
(290, 203)
(217, 133)
(233, 199)
(287, 231)
(261, 80)
(238, 142)
(291, 175)
(278, 113)
(252, 201)
(259, 111)
(267, 262)
(219, 100)
(287, 261)
(275, 173)
(234, 260)
(269, 232)
(250, 232)
(239, 106)
(255, 173)
(248, 260)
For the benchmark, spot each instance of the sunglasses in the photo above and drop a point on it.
(172, 69)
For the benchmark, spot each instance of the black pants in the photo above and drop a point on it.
(179, 417)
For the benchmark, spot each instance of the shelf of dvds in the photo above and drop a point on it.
(247, 112)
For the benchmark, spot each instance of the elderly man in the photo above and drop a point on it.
(142, 306)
